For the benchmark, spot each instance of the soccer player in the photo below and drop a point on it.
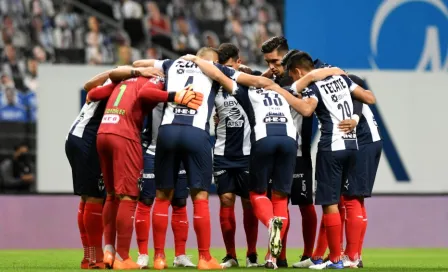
(231, 165)
(179, 217)
(331, 100)
(120, 151)
(273, 51)
(181, 131)
(80, 148)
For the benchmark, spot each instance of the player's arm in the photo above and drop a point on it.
(100, 92)
(151, 94)
(124, 72)
(97, 80)
(359, 93)
(316, 75)
(304, 106)
(144, 63)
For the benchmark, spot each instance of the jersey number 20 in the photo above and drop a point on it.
(268, 101)
(345, 109)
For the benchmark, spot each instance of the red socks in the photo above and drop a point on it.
(322, 242)
(179, 224)
(262, 207)
(250, 222)
(201, 222)
(364, 228)
(94, 228)
(125, 227)
(280, 207)
(228, 228)
(110, 210)
(142, 226)
(309, 226)
(82, 230)
(285, 241)
(160, 225)
(342, 214)
(332, 223)
(353, 227)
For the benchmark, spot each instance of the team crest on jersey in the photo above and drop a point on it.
(275, 118)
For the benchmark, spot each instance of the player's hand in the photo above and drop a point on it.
(322, 73)
(88, 100)
(189, 98)
(216, 119)
(150, 72)
(189, 57)
(348, 125)
(245, 69)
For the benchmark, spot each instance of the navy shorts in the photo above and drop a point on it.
(148, 187)
(272, 158)
(302, 183)
(332, 170)
(186, 144)
(361, 180)
(86, 171)
(232, 180)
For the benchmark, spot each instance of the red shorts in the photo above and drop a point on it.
(121, 162)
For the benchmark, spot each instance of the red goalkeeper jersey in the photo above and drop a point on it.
(129, 102)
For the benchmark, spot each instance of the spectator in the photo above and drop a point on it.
(177, 8)
(41, 36)
(12, 111)
(31, 75)
(68, 32)
(153, 53)
(235, 11)
(156, 22)
(209, 10)
(17, 172)
(6, 82)
(273, 27)
(39, 54)
(10, 34)
(12, 7)
(43, 8)
(131, 10)
(124, 55)
(242, 41)
(210, 39)
(184, 40)
(94, 41)
(13, 67)
(257, 5)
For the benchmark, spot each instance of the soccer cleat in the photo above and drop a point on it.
(127, 264)
(275, 241)
(304, 257)
(282, 263)
(160, 263)
(307, 263)
(252, 261)
(85, 264)
(100, 265)
(143, 260)
(229, 261)
(349, 263)
(360, 264)
(183, 261)
(109, 256)
(211, 264)
(328, 265)
(270, 262)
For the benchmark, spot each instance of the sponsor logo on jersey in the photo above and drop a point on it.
(275, 117)
(149, 176)
(115, 111)
(182, 110)
(235, 119)
(110, 119)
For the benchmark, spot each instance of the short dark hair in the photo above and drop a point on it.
(275, 43)
(228, 51)
(300, 60)
(288, 55)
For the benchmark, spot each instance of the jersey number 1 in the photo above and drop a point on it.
(120, 95)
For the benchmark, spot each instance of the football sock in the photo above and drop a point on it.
(343, 215)
(309, 228)
(284, 240)
(142, 226)
(125, 227)
(180, 226)
(332, 223)
(110, 210)
(364, 227)
(250, 222)
(262, 207)
(94, 228)
(202, 227)
(353, 227)
(160, 225)
(228, 228)
(322, 243)
(82, 230)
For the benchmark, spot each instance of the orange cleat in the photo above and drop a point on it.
(160, 263)
(100, 265)
(127, 264)
(211, 264)
(108, 259)
(85, 264)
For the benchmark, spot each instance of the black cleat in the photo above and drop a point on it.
(229, 261)
(360, 264)
(282, 263)
(303, 258)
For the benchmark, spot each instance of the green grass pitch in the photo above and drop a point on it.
(374, 259)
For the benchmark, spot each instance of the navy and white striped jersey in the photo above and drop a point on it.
(334, 105)
(149, 134)
(180, 73)
(232, 146)
(367, 130)
(269, 113)
(89, 119)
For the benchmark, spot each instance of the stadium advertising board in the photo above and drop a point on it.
(415, 148)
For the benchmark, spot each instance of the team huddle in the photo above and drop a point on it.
(141, 144)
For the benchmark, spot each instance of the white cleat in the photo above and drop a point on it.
(228, 262)
(183, 261)
(275, 241)
(349, 263)
(252, 261)
(270, 262)
(304, 264)
(320, 266)
(143, 260)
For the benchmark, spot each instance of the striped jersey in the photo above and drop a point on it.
(298, 120)
(232, 146)
(268, 112)
(89, 119)
(149, 134)
(180, 73)
(334, 105)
